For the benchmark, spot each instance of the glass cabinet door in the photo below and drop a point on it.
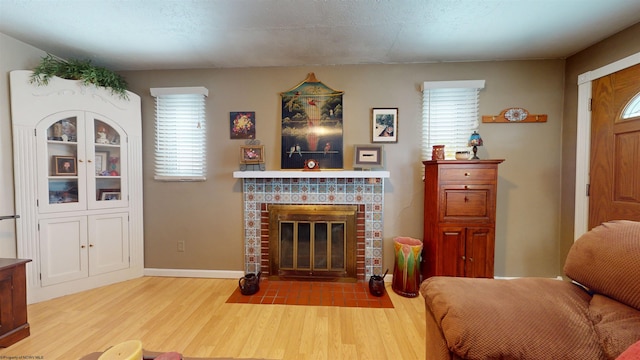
(81, 163)
(106, 185)
(60, 165)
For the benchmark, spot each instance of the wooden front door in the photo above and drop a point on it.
(615, 149)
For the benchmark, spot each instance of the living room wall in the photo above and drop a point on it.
(208, 215)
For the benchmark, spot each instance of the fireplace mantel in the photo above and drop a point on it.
(299, 174)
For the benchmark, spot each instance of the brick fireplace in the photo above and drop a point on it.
(365, 189)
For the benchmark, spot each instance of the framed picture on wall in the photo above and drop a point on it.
(311, 125)
(367, 156)
(242, 124)
(384, 125)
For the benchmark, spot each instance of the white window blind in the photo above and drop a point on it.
(449, 115)
(180, 134)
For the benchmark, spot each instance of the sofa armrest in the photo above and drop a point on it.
(527, 318)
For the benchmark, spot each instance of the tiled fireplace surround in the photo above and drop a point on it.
(365, 189)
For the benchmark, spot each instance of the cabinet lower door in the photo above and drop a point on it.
(108, 243)
(479, 251)
(451, 256)
(63, 249)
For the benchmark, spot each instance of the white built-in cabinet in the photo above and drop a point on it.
(78, 175)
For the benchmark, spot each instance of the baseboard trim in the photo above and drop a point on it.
(235, 274)
(212, 274)
(194, 273)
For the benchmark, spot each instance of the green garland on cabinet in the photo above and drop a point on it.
(81, 70)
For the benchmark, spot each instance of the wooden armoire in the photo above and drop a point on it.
(459, 217)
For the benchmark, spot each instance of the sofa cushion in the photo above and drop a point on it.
(527, 318)
(614, 271)
(617, 325)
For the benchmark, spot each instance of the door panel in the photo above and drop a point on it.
(615, 150)
(452, 241)
(109, 245)
(63, 247)
(479, 251)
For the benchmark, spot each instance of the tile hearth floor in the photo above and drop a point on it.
(317, 293)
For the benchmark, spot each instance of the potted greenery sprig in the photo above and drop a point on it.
(81, 70)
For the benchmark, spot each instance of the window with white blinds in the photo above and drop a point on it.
(449, 115)
(180, 134)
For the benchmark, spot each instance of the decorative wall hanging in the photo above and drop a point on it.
(514, 115)
(311, 125)
(385, 125)
(242, 125)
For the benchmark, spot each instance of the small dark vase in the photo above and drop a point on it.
(376, 284)
(249, 284)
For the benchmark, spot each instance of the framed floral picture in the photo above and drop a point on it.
(252, 154)
(242, 124)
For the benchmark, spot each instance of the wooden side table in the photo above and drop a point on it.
(13, 301)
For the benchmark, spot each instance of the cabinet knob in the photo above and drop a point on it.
(471, 259)
(90, 245)
(82, 246)
(89, 161)
(80, 160)
(467, 174)
(464, 257)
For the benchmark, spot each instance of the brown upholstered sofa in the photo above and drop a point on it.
(540, 318)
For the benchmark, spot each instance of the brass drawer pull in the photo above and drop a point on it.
(467, 174)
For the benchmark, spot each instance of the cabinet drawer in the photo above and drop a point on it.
(467, 203)
(466, 174)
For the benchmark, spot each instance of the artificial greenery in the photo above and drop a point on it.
(81, 70)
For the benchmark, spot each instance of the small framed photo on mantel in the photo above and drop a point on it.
(367, 157)
(384, 125)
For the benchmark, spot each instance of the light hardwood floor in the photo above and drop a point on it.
(190, 316)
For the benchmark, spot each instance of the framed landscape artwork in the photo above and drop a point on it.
(311, 125)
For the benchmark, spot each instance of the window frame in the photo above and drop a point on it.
(429, 118)
(196, 139)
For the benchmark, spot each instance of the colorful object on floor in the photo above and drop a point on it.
(406, 271)
(317, 293)
(128, 350)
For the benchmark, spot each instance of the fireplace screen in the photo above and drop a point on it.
(312, 241)
(316, 246)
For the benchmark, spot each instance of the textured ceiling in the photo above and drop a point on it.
(178, 34)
